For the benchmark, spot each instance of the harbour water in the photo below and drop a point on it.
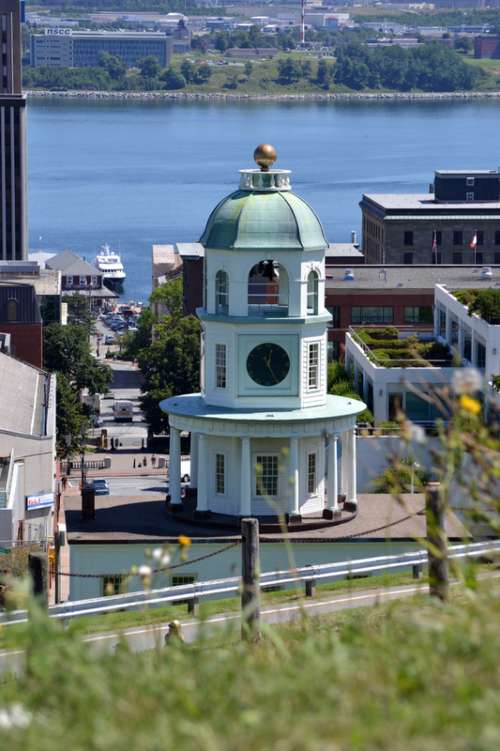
(137, 173)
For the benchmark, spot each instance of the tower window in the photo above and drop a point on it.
(266, 476)
(311, 474)
(221, 293)
(313, 366)
(312, 294)
(220, 474)
(220, 366)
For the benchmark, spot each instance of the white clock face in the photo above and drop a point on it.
(268, 364)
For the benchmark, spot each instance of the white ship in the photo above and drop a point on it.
(109, 262)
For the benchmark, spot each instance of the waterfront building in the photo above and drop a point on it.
(264, 431)
(75, 49)
(80, 277)
(457, 222)
(27, 451)
(13, 197)
(487, 46)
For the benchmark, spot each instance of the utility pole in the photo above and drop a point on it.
(437, 542)
(250, 568)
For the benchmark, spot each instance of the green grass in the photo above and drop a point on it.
(407, 676)
(16, 636)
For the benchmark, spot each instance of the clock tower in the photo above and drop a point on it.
(264, 431)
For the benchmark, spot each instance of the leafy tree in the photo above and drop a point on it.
(114, 65)
(203, 73)
(170, 365)
(66, 350)
(289, 71)
(188, 70)
(150, 66)
(171, 296)
(173, 79)
(70, 418)
(248, 69)
(324, 74)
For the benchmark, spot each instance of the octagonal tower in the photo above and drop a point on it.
(263, 427)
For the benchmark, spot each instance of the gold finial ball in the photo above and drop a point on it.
(265, 155)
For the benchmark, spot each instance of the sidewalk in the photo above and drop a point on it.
(122, 465)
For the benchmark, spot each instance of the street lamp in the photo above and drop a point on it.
(414, 466)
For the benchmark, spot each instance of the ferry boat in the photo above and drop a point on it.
(109, 262)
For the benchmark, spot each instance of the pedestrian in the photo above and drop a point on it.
(145, 461)
(134, 463)
(174, 633)
(153, 461)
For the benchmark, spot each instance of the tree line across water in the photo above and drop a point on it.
(429, 67)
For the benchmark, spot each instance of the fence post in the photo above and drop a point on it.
(250, 569)
(437, 542)
(193, 606)
(37, 567)
(310, 588)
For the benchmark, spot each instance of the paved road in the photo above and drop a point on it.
(132, 486)
(147, 637)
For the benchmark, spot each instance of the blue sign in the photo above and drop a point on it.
(42, 500)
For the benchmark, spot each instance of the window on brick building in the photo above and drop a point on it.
(497, 237)
(457, 257)
(496, 258)
(479, 257)
(408, 237)
(480, 237)
(408, 258)
(367, 314)
(418, 314)
(458, 237)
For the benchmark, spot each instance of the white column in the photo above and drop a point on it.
(344, 465)
(193, 471)
(246, 479)
(448, 327)
(202, 461)
(293, 473)
(174, 467)
(352, 498)
(461, 337)
(333, 474)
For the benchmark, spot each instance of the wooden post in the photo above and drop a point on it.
(250, 569)
(193, 606)
(417, 571)
(437, 542)
(37, 567)
(310, 587)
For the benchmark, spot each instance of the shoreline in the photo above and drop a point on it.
(222, 96)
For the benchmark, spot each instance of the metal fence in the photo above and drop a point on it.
(230, 586)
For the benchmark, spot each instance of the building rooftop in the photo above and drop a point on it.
(387, 349)
(24, 397)
(344, 250)
(424, 277)
(68, 262)
(424, 202)
(138, 519)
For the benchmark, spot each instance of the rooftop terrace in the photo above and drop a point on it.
(390, 348)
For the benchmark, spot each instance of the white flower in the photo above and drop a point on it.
(417, 434)
(466, 381)
(15, 716)
(144, 570)
(165, 560)
(157, 554)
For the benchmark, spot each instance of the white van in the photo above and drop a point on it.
(123, 411)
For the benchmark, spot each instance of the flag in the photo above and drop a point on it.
(434, 241)
(473, 242)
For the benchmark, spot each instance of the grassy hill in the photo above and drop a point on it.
(410, 676)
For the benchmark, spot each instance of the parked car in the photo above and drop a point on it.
(109, 339)
(101, 487)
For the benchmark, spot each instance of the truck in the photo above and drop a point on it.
(123, 411)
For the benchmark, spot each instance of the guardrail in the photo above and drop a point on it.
(308, 575)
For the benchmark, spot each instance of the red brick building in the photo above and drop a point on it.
(487, 46)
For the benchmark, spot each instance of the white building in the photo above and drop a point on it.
(262, 423)
(475, 341)
(27, 451)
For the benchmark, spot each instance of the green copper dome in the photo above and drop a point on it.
(271, 220)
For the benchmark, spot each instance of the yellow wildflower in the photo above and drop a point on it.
(470, 405)
(184, 541)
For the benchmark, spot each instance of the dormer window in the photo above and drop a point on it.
(221, 293)
(312, 294)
